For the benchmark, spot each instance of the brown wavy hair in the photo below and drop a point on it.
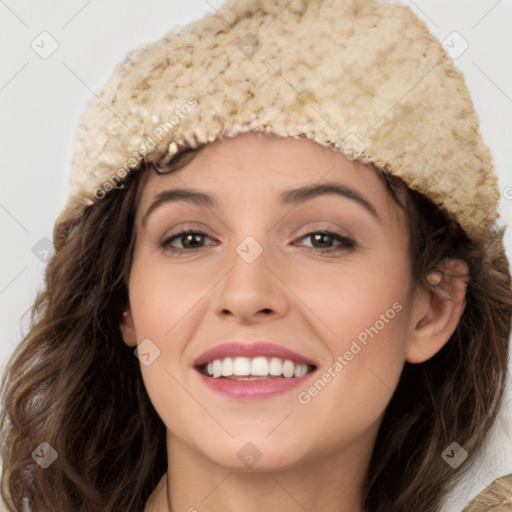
(74, 384)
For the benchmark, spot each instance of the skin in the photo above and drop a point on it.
(313, 456)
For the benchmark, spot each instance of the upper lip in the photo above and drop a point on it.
(253, 349)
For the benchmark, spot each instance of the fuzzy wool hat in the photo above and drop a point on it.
(363, 77)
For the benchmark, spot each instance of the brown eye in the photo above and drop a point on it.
(189, 240)
(322, 241)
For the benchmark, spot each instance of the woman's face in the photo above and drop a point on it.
(258, 268)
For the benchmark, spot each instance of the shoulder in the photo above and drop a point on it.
(496, 497)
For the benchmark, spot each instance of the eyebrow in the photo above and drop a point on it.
(287, 198)
(302, 194)
(180, 194)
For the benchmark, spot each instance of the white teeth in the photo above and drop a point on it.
(242, 366)
(300, 370)
(227, 367)
(217, 368)
(288, 368)
(257, 366)
(275, 366)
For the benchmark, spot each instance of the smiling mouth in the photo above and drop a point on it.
(256, 368)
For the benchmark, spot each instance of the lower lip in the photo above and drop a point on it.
(254, 389)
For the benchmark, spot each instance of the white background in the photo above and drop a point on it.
(41, 99)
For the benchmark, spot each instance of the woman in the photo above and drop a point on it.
(338, 338)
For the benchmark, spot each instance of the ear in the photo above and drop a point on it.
(437, 310)
(127, 328)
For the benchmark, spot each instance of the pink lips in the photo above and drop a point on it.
(252, 389)
(259, 348)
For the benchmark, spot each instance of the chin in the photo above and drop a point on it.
(253, 454)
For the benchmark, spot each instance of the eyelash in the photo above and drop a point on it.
(346, 243)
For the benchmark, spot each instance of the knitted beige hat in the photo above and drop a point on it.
(364, 77)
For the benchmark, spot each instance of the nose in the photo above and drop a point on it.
(252, 291)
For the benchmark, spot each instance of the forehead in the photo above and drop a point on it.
(259, 167)
(261, 157)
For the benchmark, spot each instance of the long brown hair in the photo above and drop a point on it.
(75, 385)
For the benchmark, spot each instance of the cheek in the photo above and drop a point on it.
(357, 299)
(166, 306)
(164, 299)
(351, 392)
(364, 314)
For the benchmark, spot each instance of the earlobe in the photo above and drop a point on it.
(127, 328)
(438, 310)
